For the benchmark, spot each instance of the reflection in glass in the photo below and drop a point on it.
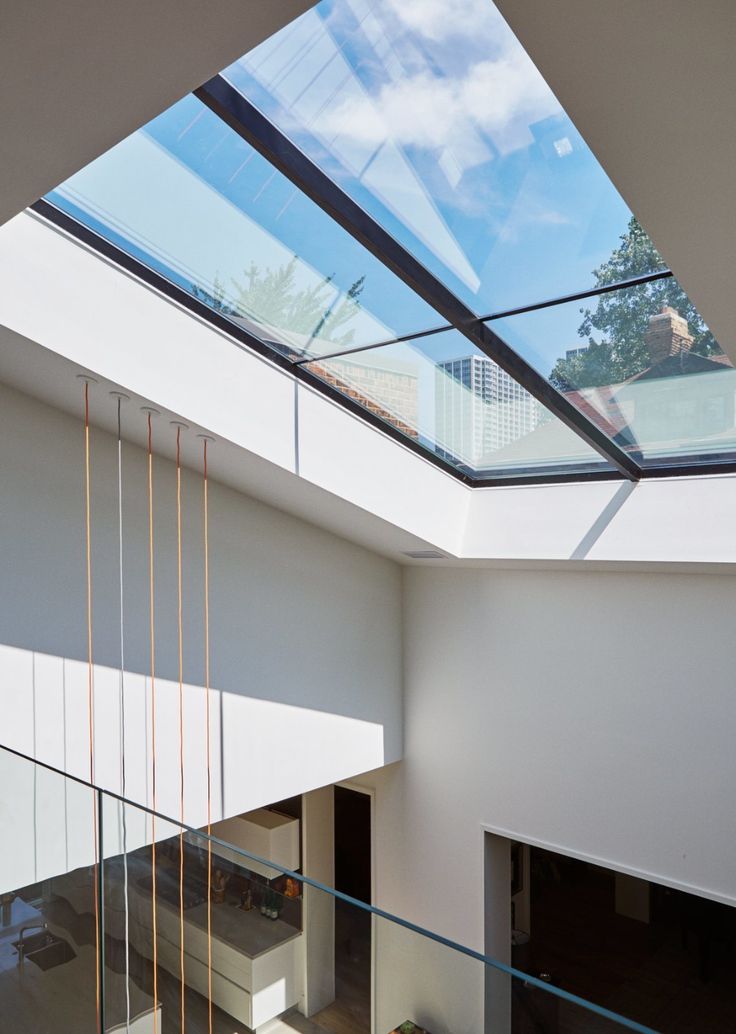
(252, 917)
(641, 363)
(48, 959)
(449, 397)
(433, 117)
(189, 198)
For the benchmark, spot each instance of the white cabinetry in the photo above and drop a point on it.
(267, 834)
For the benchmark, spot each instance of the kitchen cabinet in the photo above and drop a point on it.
(268, 834)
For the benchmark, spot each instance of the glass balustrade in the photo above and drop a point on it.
(94, 937)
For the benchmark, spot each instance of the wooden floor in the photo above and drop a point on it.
(350, 1013)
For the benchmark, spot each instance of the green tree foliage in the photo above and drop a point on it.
(615, 329)
(271, 297)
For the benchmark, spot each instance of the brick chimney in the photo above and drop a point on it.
(667, 334)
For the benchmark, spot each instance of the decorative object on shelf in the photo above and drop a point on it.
(246, 900)
(293, 888)
(272, 904)
(408, 1027)
(219, 883)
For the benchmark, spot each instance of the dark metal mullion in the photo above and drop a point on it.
(250, 124)
(580, 296)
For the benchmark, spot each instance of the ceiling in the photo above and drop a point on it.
(80, 76)
(652, 88)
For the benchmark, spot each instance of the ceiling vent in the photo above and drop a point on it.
(424, 554)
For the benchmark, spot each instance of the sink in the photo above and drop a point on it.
(52, 955)
(45, 950)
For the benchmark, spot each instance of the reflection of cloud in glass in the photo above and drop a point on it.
(501, 96)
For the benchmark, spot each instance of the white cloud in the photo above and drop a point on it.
(501, 96)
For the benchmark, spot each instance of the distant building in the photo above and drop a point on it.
(572, 353)
(480, 408)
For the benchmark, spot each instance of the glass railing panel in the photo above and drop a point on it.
(188, 919)
(131, 994)
(424, 985)
(48, 956)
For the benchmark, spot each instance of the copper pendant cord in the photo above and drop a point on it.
(121, 690)
(205, 500)
(91, 698)
(181, 729)
(153, 725)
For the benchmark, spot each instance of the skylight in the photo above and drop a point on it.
(398, 169)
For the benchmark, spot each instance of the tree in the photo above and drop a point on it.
(271, 298)
(615, 329)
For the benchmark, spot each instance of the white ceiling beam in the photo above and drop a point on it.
(79, 76)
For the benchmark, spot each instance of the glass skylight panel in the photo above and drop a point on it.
(641, 363)
(435, 120)
(444, 394)
(190, 199)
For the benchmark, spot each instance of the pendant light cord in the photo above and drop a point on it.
(205, 500)
(181, 730)
(123, 786)
(91, 699)
(153, 726)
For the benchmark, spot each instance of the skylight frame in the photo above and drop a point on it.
(676, 466)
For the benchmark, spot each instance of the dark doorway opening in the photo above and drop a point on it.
(353, 843)
(351, 1011)
(661, 957)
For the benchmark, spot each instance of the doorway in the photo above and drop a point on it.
(350, 1013)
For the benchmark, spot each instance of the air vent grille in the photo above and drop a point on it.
(424, 554)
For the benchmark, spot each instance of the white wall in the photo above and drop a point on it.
(305, 628)
(593, 712)
(318, 911)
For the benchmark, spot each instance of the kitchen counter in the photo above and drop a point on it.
(250, 933)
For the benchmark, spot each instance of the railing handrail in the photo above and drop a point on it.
(437, 938)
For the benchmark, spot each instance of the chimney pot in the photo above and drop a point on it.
(667, 334)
